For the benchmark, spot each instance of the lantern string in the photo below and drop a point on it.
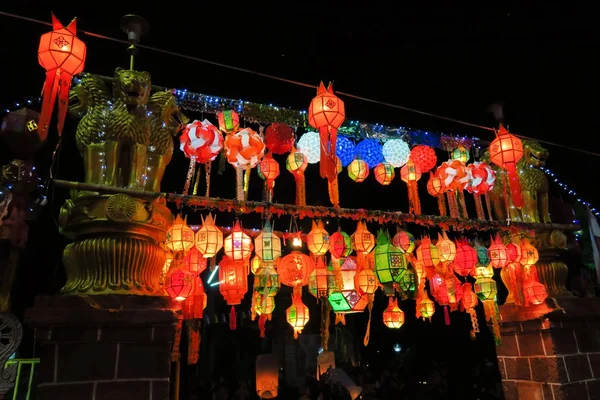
(293, 82)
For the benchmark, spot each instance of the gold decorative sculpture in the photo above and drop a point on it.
(534, 185)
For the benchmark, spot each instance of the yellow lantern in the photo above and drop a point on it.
(267, 245)
(529, 254)
(180, 237)
(317, 239)
(366, 281)
(267, 376)
(238, 246)
(358, 170)
(297, 314)
(209, 238)
(363, 240)
(446, 248)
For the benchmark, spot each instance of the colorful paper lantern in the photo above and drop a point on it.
(321, 282)
(201, 140)
(446, 247)
(317, 239)
(514, 251)
(506, 151)
(408, 283)
(340, 244)
(264, 304)
(396, 152)
(454, 175)
(535, 292)
(498, 252)
(266, 280)
(461, 154)
(465, 260)
(529, 254)
(179, 284)
(296, 163)
(481, 178)
(194, 261)
(425, 307)
(346, 297)
(62, 54)
(279, 138)
(384, 173)
(435, 186)
(229, 121)
(238, 245)
(363, 240)
(209, 238)
(267, 245)
(486, 288)
(295, 268)
(234, 280)
(410, 174)
(404, 240)
(424, 157)
(366, 282)
(483, 255)
(309, 144)
(428, 253)
(168, 261)
(469, 298)
(345, 150)
(393, 316)
(370, 151)
(358, 170)
(255, 264)
(244, 148)
(390, 262)
(297, 314)
(180, 237)
(268, 169)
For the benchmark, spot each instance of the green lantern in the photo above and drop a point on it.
(390, 261)
(266, 281)
(461, 154)
(483, 255)
(486, 288)
(408, 283)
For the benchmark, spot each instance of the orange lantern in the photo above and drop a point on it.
(446, 247)
(62, 54)
(465, 260)
(410, 174)
(428, 253)
(535, 292)
(362, 239)
(294, 269)
(384, 173)
(366, 281)
(179, 284)
(244, 150)
(317, 239)
(393, 316)
(234, 280)
(425, 307)
(229, 121)
(327, 113)
(267, 376)
(238, 246)
(529, 254)
(268, 169)
(180, 237)
(469, 298)
(404, 240)
(514, 251)
(340, 244)
(296, 163)
(436, 188)
(267, 245)
(209, 238)
(297, 315)
(358, 170)
(321, 282)
(194, 261)
(498, 253)
(506, 151)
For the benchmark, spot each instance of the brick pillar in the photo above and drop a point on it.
(553, 357)
(103, 347)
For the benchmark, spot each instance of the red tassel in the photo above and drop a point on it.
(50, 92)
(446, 315)
(262, 324)
(232, 319)
(328, 168)
(515, 185)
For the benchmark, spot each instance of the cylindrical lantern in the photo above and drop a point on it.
(340, 244)
(267, 376)
(179, 284)
(238, 246)
(393, 316)
(194, 261)
(180, 237)
(363, 240)
(294, 269)
(267, 245)
(358, 170)
(384, 173)
(234, 280)
(209, 238)
(317, 239)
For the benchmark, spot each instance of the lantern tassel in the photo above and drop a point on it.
(491, 315)
(300, 188)
(515, 185)
(488, 206)
(232, 319)
(207, 167)
(446, 315)
(325, 321)
(368, 331)
(246, 182)
(177, 339)
(190, 175)
(262, 324)
(441, 205)
(340, 318)
(334, 193)
(452, 204)
(413, 198)
(328, 167)
(196, 182)
(239, 184)
(193, 334)
(50, 92)
(463, 204)
(479, 207)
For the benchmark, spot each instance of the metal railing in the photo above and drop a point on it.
(19, 363)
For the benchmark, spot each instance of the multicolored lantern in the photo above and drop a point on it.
(267, 245)
(201, 140)
(499, 257)
(425, 307)
(209, 238)
(340, 244)
(244, 150)
(238, 245)
(390, 262)
(396, 152)
(321, 282)
(296, 163)
(317, 239)
(346, 297)
(506, 151)
(428, 253)
(297, 314)
(194, 261)
(461, 154)
(180, 237)
(436, 188)
(384, 173)
(234, 280)
(410, 174)
(268, 169)
(404, 240)
(486, 288)
(424, 157)
(358, 170)
(393, 316)
(62, 54)
(455, 177)
(266, 281)
(264, 304)
(295, 268)
(229, 121)
(481, 181)
(279, 138)
(327, 113)
(179, 284)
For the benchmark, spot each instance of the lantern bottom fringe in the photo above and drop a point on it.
(239, 184)
(334, 193)
(232, 319)
(246, 182)
(414, 202)
(207, 170)
(368, 330)
(488, 206)
(300, 188)
(479, 207)
(442, 205)
(262, 322)
(463, 204)
(340, 318)
(492, 314)
(452, 204)
(446, 315)
(190, 176)
(196, 182)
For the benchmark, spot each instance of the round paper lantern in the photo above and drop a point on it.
(366, 281)
(446, 247)
(404, 240)
(244, 148)
(358, 170)
(310, 145)
(535, 292)
(297, 314)
(267, 376)
(435, 186)
(370, 151)
(469, 298)
(461, 154)
(202, 140)
(267, 245)
(179, 284)
(209, 238)
(321, 282)
(396, 152)
(180, 237)
(529, 254)
(393, 316)
(424, 157)
(268, 168)
(296, 162)
(229, 121)
(194, 261)
(384, 173)
(238, 246)
(465, 260)
(340, 244)
(410, 172)
(345, 150)
(486, 288)
(481, 178)
(454, 175)
(390, 262)
(279, 138)
(506, 151)
(428, 253)
(363, 240)
(317, 239)
(498, 252)
(234, 280)
(345, 298)
(425, 307)
(294, 269)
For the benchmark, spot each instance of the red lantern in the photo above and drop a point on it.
(393, 316)
(194, 261)
(327, 113)
(340, 244)
(506, 151)
(193, 307)
(424, 157)
(62, 54)
(295, 268)
(499, 257)
(535, 292)
(435, 186)
(404, 240)
(234, 280)
(179, 284)
(465, 260)
(279, 138)
(268, 169)
(514, 252)
(384, 173)
(469, 297)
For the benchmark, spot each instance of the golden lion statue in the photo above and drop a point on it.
(534, 185)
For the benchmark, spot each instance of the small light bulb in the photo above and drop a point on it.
(296, 242)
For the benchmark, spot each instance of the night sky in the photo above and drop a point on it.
(540, 61)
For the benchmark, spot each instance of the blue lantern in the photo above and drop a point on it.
(345, 150)
(370, 151)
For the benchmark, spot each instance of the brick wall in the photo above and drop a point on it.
(551, 359)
